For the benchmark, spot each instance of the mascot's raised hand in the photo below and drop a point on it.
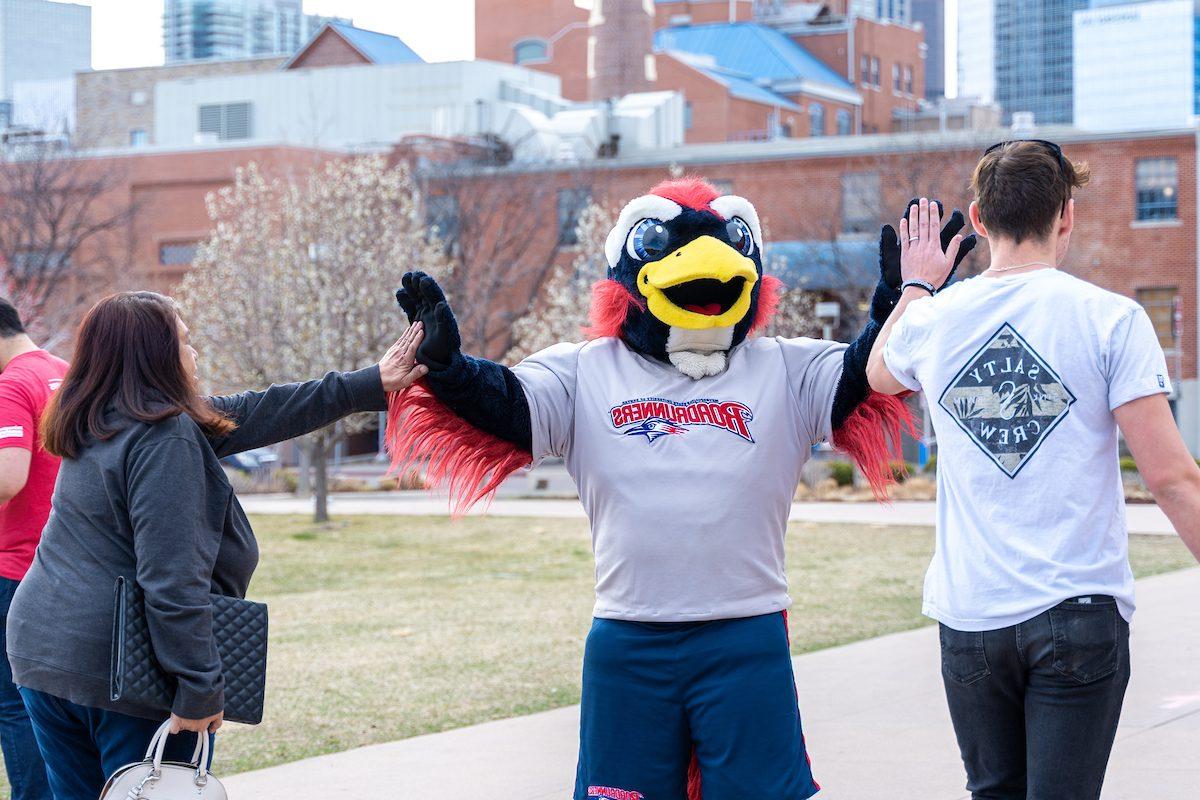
(887, 293)
(422, 300)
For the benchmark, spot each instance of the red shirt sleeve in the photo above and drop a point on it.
(17, 423)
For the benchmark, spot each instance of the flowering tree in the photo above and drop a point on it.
(297, 280)
(561, 310)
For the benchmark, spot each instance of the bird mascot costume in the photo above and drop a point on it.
(685, 435)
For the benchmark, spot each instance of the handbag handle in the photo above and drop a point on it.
(158, 746)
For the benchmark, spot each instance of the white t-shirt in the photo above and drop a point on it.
(1022, 374)
(687, 483)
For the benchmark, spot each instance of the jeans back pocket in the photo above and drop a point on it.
(963, 657)
(1087, 638)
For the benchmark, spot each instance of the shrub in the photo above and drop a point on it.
(1128, 464)
(842, 472)
(901, 470)
(931, 465)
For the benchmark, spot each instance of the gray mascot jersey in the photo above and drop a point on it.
(688, 483)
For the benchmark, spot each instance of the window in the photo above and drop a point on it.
(895, 79)
(177, 254)
(860, 197)
(1157, 182)
(227, 121)
(816, 119)
(1160, 304)
(138, 138)
(864, 71)
(441, 216)
(845, 123)
(875, 72)
(529, 50)
(687, 115)
(908, 80)
(571, 203)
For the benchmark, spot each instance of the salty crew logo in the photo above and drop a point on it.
(655, 417)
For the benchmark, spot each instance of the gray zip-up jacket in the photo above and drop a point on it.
(153, 503)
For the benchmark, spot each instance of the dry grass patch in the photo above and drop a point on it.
(389, 627)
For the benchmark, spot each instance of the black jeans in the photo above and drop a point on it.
(1035, 706)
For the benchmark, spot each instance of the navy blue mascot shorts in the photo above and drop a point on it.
(655, 691)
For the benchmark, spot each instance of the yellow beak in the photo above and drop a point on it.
(706, 259)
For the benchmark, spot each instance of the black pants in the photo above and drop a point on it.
(1035, 706)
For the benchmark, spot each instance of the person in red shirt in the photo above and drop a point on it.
(28, 375)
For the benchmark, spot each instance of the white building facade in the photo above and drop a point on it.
(371, 106)
(1135, 66)
(40, 43)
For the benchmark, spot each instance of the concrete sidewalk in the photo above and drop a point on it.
(1142, 518)
(874, 714)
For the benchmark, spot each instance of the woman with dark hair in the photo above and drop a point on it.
(141, 494)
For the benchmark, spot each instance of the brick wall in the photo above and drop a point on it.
(886, 44)
(501, 24)
(330, 49)
(111, 103)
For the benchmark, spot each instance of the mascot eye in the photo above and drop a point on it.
(648, 240)
(740, 236)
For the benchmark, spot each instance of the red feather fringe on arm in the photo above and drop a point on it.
(871, 437)
(469, 462)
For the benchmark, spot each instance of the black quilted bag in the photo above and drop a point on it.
(240, 630)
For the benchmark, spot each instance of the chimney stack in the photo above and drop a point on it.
(620, 48)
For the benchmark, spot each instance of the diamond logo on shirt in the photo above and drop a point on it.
(1007, 399)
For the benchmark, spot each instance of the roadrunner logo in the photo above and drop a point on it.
(1007, 399)
(655, 418)
(609, 793)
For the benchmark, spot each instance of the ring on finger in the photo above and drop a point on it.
(913, 238)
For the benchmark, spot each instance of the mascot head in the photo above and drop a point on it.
(685, 279)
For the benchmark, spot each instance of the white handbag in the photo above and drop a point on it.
(154, 779)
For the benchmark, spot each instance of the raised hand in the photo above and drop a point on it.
(923, 257)
(889, 244)
(422, 300)
(398, 369)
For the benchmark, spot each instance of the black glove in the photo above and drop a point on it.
(887, 293)
(422, 300)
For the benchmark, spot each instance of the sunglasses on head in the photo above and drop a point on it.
(1051, 146)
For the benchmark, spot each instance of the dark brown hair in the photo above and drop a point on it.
(127, 365)
(1023, 187)
(10, 320)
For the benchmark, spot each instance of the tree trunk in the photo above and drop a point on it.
(320, 479)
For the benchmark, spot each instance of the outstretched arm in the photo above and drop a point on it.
(925, 259)
(485, 394)
(863, 421)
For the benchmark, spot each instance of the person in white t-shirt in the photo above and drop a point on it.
(1029, 373)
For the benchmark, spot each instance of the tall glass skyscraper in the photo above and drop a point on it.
(1019, 53)
(213, 29)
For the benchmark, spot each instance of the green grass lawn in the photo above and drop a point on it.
(389, 627)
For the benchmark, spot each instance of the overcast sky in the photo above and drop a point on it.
(128, 33)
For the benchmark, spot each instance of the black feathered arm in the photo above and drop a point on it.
(485, 394)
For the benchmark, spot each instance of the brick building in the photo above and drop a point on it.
(1136, 228)
(793, 70)
(115, 108)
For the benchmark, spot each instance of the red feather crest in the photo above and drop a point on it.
(690, 192)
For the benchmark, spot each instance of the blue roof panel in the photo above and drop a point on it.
(746, 89)
(380, 48)
(749, 48)
(822, 266)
